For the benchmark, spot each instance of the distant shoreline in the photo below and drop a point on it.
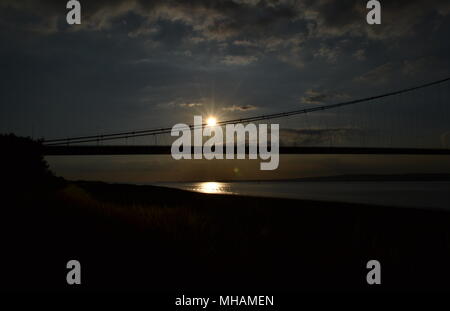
(339, 178)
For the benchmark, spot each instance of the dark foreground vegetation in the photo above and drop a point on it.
(140, 237)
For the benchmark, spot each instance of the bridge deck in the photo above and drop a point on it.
(142, 149)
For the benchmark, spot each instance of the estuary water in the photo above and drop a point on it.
(391, 193)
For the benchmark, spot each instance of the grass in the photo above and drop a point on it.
(160, 239)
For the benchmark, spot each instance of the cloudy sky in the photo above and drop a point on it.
(135, 64)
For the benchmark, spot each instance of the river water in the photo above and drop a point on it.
(407, 194)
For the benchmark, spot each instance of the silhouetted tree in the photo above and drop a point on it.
(23, 163)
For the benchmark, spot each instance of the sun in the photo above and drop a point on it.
(211, 121)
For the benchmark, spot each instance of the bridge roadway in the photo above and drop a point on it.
(61, 150)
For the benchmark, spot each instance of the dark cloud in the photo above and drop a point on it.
(130, 59)
(221, 19)
(380, 74)
(240, 108)
(239, 60)
(260, 26)
(319, 98)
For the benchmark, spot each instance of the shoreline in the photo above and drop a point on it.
(405, 194)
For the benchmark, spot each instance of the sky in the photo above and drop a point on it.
(135, 64)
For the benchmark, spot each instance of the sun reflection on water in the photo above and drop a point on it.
(212, 187)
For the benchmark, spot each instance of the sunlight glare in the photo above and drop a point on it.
(211, 121)
(210, 187)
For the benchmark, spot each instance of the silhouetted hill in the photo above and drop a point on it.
(159, 239)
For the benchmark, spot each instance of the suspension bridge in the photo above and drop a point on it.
(414, 120)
